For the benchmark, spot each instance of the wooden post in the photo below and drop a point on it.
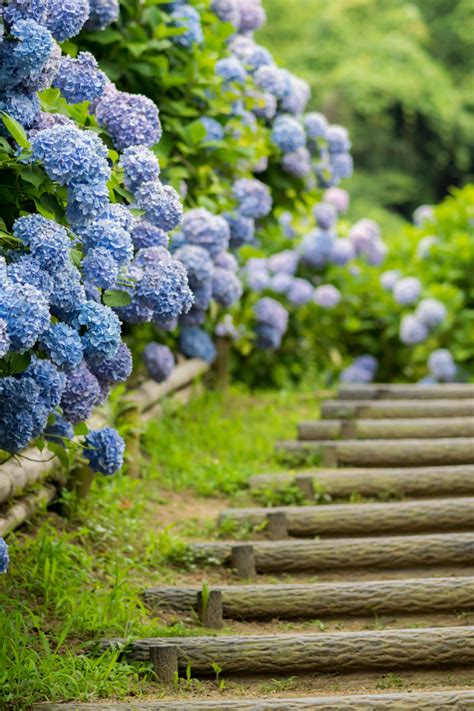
(304, 482)
(221, 365)
(130, 417)
(242, 560)
(211, 614)
(165, 663)
(276, 525)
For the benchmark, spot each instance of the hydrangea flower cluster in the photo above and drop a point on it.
(361, 370)
(415, 328)
(271, 323)
(194, 342)
(4, 559)
(441, 366)
(159, 361)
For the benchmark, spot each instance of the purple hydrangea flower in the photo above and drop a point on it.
(327, 296)
(226, 287)
(297, 163)
(198, 263)
(271, 312)
(159, 361)
(242, 229)
(115, 369)
(337, 197)
(406, 291)
(389, 278)
(196, 343)
(227, 11)
(104, 449)
(200, 227)
(252, 15)
(227, 261)
(342, 251)
(273, 80)
(161, 204)
(316, 247)
(253, 196)
(231, 70)
(441, 365)
(130, 119)
(431, 312)
(165, 290)
(325, 215)
(412, 330)
(337, 139)
(285, 261)
(81, 394)
(300, 292)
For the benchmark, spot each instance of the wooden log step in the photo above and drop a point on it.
(406, 481)
(379, 552)
(379, 391)
(431, 647)
(381, 452)
(333, 409)
(408, 701)
(324, 599)
(430, 515)
(428, 427)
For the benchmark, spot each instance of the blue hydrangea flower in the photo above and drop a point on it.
(151, 257)
(4, 338)
(225, 260)
(81, 394)
(227, 11)
(423, 214)
(198, 263)
(441, 365)
(115, 369)
(104, 449)
(281, 282)
(59, 430)
(297, 163)
(271, 312)
(25, 311)
(389, 278)
(68, 291)
(32, 50)
(431, 312)
(285, 261)
(161, 204)
(252, 15)
(4, 559)
(100, 268)
(327, 296)
(316, 247)
(48, 242)
(273, 80)
(166, 291)
(202, 228)
(226, 287)
(196, 343)
(342, 166)
(144, 235)
(130, 119)
(196, 315)
(70, 155)
(140, 165)
(189, 19)
(25, 10)
(342, 251)
(299, 292)
(288, 134)
(231, 70)
(101, 326)
(66, 17)
(159, 361)
(24, 108)
(423, 248)
(316, 125)
(120, 214)
(63, 345)
(412, 330)
(102, 13)
(110, 236)
(214, 131)
(242, 229)
(257, 275)
(26, 270)
(80, 79)
(18, 403)
(337, 197)
(325, 215)
(86, 201)
(268, 337)
(265, 106)
(406, 291)
(337, 139)
(362, 370)
(296, 99)
(49, 379)
(253, 196)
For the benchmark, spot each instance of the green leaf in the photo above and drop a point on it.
(113, 297)
(75, 256)
(81, 429)
(60, 452)
(16, 130)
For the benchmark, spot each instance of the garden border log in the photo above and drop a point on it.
(428, 515)
(428, 427)
(454, 480)
(149, 393)
(386, 409)
(18, 474)
(381, 452)
(288, 601)
(461, 700)
(19, 511)
(430, 647)
(393, 391)
(335, 554)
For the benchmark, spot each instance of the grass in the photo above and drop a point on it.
(76, 580)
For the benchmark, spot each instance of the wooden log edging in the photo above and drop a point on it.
(18, 474)
(335, 554)
(149, 393)
(453, 480)
(345, 651)
(289, 601)
(430, 515)
(382, 452)
(386, 409)
(20, 511)
(411, 701)
(393, 391)
(429, 428)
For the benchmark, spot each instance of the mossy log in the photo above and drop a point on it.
(17, 474)
(342, 652)
(419, 595)
(149, 393)
(428, 427)
(431, 515)
(454, 480)
(381, 452)
(411, 701)
(336, 554)
(24, 508)
(379, 391)
(385, 409)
